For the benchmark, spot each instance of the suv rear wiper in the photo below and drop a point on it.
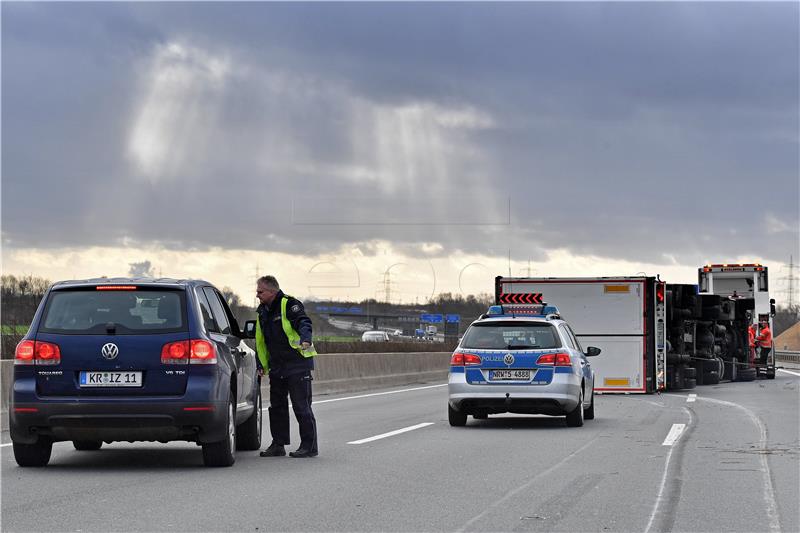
(521, 347)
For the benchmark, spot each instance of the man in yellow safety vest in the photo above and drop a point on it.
(285, 352)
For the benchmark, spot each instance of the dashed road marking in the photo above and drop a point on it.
(674, 434)
(391, 433)
(789, 372)
(691, 398)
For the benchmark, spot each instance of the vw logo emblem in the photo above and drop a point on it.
(508, 359)
(110, 350)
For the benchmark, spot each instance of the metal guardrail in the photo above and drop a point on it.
(787, 356)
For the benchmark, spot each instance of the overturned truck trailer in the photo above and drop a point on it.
(654, 336)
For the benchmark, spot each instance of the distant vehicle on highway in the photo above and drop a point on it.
(134, 360)
(521, 359)
(375, 336)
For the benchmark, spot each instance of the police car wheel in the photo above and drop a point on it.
(455, 417)
(588, 414)
(575, 417)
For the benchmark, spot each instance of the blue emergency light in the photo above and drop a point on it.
(539, 310)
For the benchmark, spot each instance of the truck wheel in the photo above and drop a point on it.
(36, 454)
(575, 417)
(248, 434)
(747, 374)
(221, 453)
(588, 414)
(689, 383)
(87, 445)
(455, 417)
(771, 373)
(711, 377)
(689, 372)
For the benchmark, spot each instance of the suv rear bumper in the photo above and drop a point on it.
(139, 420)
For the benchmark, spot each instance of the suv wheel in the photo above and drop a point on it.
(36, 454)
(455, 417)
(248, 434)
(87, 445)
(222, 453)
(575, 417)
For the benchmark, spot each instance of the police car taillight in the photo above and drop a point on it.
(464, 359)
(555, 359)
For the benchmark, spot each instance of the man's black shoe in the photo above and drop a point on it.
(302, 452)
(274, 450)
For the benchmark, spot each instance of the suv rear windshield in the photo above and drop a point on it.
(133, 312)
(510, 336)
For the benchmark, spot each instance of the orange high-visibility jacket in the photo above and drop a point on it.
(765, 337)
(751, 335)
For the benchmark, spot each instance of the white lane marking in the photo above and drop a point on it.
(525, 486)
(789, 372)
(691, 398)
(660, 497)
(769, 491)
(674, 434)
(391, 433)
(315, 402)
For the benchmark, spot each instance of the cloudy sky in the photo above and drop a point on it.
(331, 143)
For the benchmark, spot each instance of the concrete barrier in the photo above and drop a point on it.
(334, 373)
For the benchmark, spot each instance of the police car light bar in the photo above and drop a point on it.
(518, 309)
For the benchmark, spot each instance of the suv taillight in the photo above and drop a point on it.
(464, 359)
(203, 353)
(557, 359)
(38, 352)
(196, 352)
(175, 353)
(24, 353)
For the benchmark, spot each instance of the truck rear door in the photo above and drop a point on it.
(608, 313)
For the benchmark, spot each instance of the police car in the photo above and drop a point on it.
(521, 359)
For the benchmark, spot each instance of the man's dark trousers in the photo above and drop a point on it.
(298, 388)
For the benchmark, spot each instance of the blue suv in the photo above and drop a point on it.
(134, 360)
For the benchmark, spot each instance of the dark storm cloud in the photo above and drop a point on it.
(610, 126)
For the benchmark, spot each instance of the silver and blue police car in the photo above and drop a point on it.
(521, 359)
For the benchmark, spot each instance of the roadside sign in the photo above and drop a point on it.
(433, 319)
(452, 319)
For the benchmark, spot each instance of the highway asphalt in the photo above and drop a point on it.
(725, 459)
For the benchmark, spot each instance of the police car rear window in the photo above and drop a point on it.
(132, 312)
(510, 336)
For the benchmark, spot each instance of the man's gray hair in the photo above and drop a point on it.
(270, 282)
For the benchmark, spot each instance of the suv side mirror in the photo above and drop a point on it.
(772, 307)
(249, 330)
(591, 351)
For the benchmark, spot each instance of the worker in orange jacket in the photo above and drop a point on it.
(751, 337)
(764, 341)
